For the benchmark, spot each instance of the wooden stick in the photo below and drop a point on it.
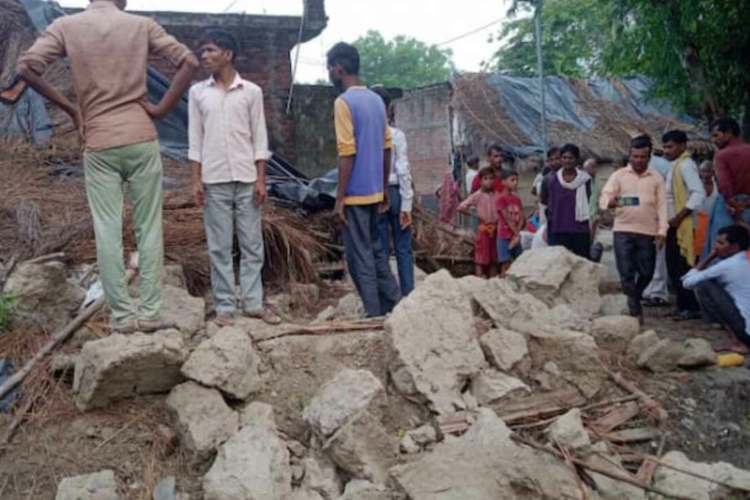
(45, 258)
(59, 337)
(648, 467)
(19, 418)
(603, 472)
(650, 404)
(329, 328)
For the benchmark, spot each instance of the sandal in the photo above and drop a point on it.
(224, 320)
(154, 325)
(655, 302)
(266, 315)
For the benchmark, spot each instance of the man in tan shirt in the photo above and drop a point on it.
(108, 51)
(639, 197)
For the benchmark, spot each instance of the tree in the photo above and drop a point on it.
(573, 39)
(402, 62)
(695, 51)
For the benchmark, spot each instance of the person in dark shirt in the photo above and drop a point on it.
(732, 164)
(495, 156)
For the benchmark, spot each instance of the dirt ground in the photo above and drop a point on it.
(709, 420)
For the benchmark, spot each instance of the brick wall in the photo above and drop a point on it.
(424, 116)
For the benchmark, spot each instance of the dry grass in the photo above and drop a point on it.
(42, 212)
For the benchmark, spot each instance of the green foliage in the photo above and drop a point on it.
(7, 307)
(402, 62)
(574, 36)
(696, 51)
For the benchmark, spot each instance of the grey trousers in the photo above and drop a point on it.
(658, 288)
(719, 307)
(229, 208)
(368, 261)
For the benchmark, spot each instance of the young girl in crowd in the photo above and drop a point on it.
(484, 202)
(511, 222)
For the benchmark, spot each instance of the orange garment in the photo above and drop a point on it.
(702, 223)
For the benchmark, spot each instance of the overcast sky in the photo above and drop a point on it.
(431, 21)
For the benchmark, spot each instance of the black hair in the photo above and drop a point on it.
(552, 151)
(345, 55)
(676, 136)
(495, 147)
(737, 235)
(383, 93)
(727, 124)
(572, 149)
(222, 39)
(641, 141)
(486, 171)
(507, 174)
(473, 160)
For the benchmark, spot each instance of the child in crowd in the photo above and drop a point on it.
(484, 202)
(511, 222)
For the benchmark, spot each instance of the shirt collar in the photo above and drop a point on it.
(644, 174)
(102, 4)
(236, 83)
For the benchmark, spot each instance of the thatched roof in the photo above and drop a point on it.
(600, 116)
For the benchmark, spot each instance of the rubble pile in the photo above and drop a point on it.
(471, 389)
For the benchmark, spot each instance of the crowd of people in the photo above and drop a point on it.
(676, 225)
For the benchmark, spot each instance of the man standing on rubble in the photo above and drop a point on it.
(108, 52)
(228, 155)
(364, 145)
(638, 196)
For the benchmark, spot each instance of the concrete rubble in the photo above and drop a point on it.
(435, 345)
(568, 431)
(121, 366)
(409, 413)
(341, 399)
(252, 465)
(227, 361)
(184, 310)
(45, 296)
(485, 463)
(98, 486)
(504, 348)
(668, 355)
(202, 419)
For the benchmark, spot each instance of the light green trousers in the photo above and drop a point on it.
(107, 172)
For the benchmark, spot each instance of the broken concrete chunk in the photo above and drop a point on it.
(252, 465)
(615, 332)
(339, 400)
(614, 305)
(669, 355)
(258, 414)
(424, 435)
(350, 307)
(120, 366)
(485, 463)
(568, 431)
(303, 494)
(696, 353)
(186, 311)
(363, 448)
(365, 490)
(321, 476)
(99, 486)
(687, 486)
(44, 295)
(641, 343)
(203, 419)
(504, 348)
(432, 336)
(226, 361)
(409, 446)
(166, 489)
(556, 276)
(492, 385)
(576, 357)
